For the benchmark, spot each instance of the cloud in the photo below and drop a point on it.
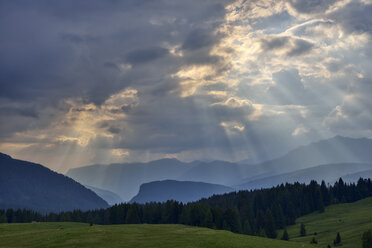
(299, 131)
(146, 55)
(274, 43)
(311, 6)
(198, 39)
(288, 45)
(355, 17)
(300, 47)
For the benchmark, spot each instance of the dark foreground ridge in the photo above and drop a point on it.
(28, 185)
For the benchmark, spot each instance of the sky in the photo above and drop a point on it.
(108, 81)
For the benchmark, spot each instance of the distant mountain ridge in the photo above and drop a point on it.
(354, 177)
(182, 191)
(125, 179)
(110, 197)
(32, 186)
(331, 151)
(330, 173)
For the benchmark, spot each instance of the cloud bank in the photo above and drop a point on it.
(98, 81)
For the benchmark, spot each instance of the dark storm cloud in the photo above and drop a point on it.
(199, 38)
(114, 130)
(57, 50)
(274, 43)
(146, 55)
(293, 46)
(311, 6)
(355, 17)
(25, 112)
(300, 47)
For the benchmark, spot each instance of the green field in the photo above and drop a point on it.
(350, 219)
(135, 236)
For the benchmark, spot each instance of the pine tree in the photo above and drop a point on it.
(232, 220)
(313, 241)
(367, 239)
(285, 235)
(269, 225)
(337, 241)
(325, 193)
(3, 218)
(132, 215)
(247, 229)
(302, 230)
(207, 220)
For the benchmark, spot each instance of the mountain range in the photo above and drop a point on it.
(328, 160)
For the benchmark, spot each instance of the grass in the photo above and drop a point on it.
(134, 236)
(350, 219)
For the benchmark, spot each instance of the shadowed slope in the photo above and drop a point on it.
(33, 186)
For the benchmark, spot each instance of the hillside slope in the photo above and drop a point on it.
(33, 186)
(350, 219)
(182, 191)
(61, 235)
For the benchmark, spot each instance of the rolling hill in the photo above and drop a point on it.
(32, 186)
(161, 191)
(350, 219)
(61, 235)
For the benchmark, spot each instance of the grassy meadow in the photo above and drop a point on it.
(350, 219)
(134, 236)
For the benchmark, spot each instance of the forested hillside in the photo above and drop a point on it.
(259, 212)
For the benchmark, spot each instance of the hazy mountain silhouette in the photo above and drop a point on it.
(110, 197)
(218, 172)
(32, 186)
(354, 177)
(182, 191)
(330, 173)
(125, 179)
(335, 150)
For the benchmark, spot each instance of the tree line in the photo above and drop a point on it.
(255, 212)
